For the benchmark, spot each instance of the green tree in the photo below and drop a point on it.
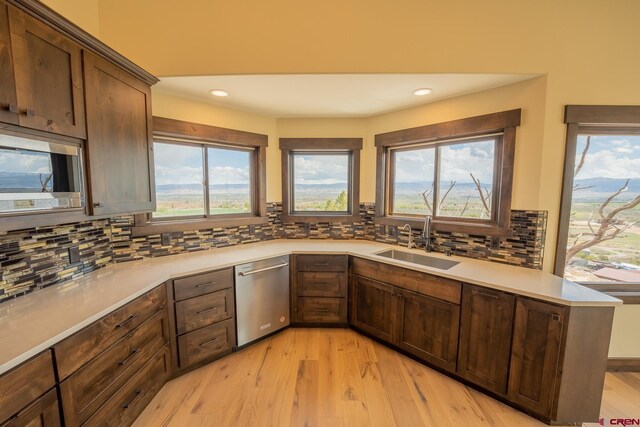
(340, 204)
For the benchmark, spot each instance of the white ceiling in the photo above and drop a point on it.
(329, 95)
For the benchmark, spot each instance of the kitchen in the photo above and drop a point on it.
(98, 260)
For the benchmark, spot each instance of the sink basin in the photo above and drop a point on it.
(429, 261)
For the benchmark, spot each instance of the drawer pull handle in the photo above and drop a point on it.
(206, 310)
(211, 341)
(13, 108)
(201, 285)
(126, 322)
(260, 270)
(555, 317)
(321, 264)
(133, 353)
(130, 404)
(29, 113)
(485, 294)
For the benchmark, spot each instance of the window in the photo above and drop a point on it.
(599, 233)
(205, 177)
(196, 180)
(321, 179)
(458, 172)
(454, 179)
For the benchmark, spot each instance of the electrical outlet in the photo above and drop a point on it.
(495, 243)
(392, 230)
(165, 239)
(382, 229)
(74, 254)
(252, 229)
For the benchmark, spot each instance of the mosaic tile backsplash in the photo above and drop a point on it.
(35, 258)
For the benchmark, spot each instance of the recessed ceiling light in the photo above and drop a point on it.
(422, 91)
(218, 92)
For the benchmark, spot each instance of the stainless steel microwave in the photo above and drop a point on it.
(39, 174)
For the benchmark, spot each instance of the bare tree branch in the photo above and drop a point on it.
(44, 182)
(484, 197)
(446, 193)
(583, 157)
(425, 195)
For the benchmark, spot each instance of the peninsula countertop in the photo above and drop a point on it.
(37, 321)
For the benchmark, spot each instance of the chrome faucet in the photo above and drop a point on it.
(426, 233)
(410, 245)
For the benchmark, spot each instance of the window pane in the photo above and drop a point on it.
(229, 181)
(604, 232)
(320, 182)
(413, 184)
(179, 174)
(466, 180)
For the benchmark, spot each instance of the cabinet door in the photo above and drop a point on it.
(119, 140)
(8, 101)
(428, 328)
(375, 308)
(48, 77)
(42, 412)
(535, 354)
(485, 337)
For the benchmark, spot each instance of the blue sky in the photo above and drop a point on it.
(610, 156)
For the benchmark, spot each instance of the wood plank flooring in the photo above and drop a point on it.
(336, 377)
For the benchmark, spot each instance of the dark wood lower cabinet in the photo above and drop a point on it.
(485, 337)
(125, 405)
(375, 307)
(535, 355)
(428, 328)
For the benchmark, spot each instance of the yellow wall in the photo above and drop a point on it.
(624, 336)
(84, 14)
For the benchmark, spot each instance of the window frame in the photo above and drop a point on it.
(319, 146)
(472, 128)
(195, 134)
(592, 119)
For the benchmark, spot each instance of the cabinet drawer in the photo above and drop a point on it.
(322, 310)
(87, 389)
(23, 384)
(322, 284)
(322, 262)
(204, 310)
(42, 412)
(200, 284)
(85, 345)
(206, 342)
(417, 281)
(128, 402)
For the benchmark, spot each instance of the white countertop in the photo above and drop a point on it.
(35, 322)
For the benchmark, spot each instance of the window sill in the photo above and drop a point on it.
(628, 293)
(345, 218)
(197, 224)
(448, 226)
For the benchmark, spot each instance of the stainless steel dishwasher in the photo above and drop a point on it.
(262, 298)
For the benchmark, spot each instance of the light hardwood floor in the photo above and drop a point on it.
(336, 377)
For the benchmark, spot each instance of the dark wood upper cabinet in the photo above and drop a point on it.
(537, 336)
(375, 307)
(119, 139)
(485, 337)
(8, 100)
(428, 328)
(47, 76)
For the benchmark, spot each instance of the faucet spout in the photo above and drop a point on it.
(410, 245)
(426, 233)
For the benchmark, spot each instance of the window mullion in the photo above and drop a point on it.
(205, 180)
(436, 182)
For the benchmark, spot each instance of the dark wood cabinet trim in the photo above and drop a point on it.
(352, 145)
(86, 40)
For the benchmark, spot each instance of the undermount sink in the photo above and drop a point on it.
(429, 261)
